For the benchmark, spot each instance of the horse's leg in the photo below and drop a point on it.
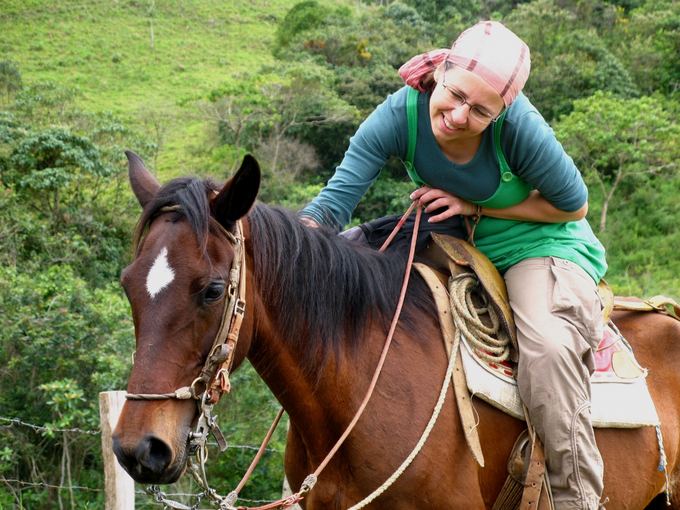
(659, 503)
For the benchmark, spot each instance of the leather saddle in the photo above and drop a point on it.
(452, 255)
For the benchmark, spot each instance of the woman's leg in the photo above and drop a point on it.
(558, 315)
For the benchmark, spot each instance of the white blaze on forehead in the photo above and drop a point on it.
(160, 275)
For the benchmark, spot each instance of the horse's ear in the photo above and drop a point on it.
(238, 194)
(144, 184)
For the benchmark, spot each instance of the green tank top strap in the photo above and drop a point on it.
(500, 157)
(412, 118)
(511, 189)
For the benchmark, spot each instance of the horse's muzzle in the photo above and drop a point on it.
(147, 461)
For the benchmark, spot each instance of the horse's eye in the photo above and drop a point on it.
(213, 292)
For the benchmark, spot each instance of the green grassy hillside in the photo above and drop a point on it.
(132, 57)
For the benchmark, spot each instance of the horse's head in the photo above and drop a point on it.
(181, 288)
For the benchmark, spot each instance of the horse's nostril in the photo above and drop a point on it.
(154, 454)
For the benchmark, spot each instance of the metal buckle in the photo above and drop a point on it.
(240, 307)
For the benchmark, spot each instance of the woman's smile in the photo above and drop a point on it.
(448, 126)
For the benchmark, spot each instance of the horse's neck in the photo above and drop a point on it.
(322, 403)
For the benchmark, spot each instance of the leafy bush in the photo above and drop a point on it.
(387, 196)
(61, 342)
(303, 16)
(647, 40)
(628, 152)
(621, 144)
(61, 205)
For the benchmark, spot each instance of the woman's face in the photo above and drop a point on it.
(462, 106)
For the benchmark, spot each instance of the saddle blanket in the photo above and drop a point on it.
(617, 382)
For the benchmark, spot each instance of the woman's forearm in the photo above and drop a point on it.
(536, 208)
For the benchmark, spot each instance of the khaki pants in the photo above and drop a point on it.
(558, 313)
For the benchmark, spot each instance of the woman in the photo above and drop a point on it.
(530, 201)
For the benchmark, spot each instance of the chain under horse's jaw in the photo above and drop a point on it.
(154, 436)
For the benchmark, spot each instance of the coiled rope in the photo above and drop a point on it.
(490, 343)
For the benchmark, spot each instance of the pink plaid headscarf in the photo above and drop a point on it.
(488, 49)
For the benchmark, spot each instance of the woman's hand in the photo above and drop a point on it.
(309, 222)
(433, 199)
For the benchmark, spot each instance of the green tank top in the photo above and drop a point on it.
(507, 242)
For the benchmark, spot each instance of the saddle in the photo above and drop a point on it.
(448, 256)
(453, 255)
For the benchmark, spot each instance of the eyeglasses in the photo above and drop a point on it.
(477, 112)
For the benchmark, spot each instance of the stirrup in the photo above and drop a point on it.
(525, 483)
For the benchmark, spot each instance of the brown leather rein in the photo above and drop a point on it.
(214, 379)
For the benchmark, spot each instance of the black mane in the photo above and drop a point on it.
(190, 195)
(322, 290)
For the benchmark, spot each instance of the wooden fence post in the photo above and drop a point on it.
(287, 491)
(120, 488)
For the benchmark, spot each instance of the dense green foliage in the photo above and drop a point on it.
(628, 152)
(192, 86)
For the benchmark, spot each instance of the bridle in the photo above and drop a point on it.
(213, 379)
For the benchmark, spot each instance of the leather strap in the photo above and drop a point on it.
(661, 304)
(537, 494)
(506, 173)
(533, 483)
(451, 342)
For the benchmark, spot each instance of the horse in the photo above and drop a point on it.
(318, 307)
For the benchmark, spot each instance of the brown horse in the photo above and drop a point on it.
(317, 312)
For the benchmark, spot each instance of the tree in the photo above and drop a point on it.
(44, 104)
(360, 50)
(60, 339)
(363, 37)
(569, 60)
(300, 98)
(283, 161)
(10, 79)
(272, 109)
(620, 144)
(234, 109)
(54, 170)
(648, 41)
(63, 197)
(302, 16)
(447, 19)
